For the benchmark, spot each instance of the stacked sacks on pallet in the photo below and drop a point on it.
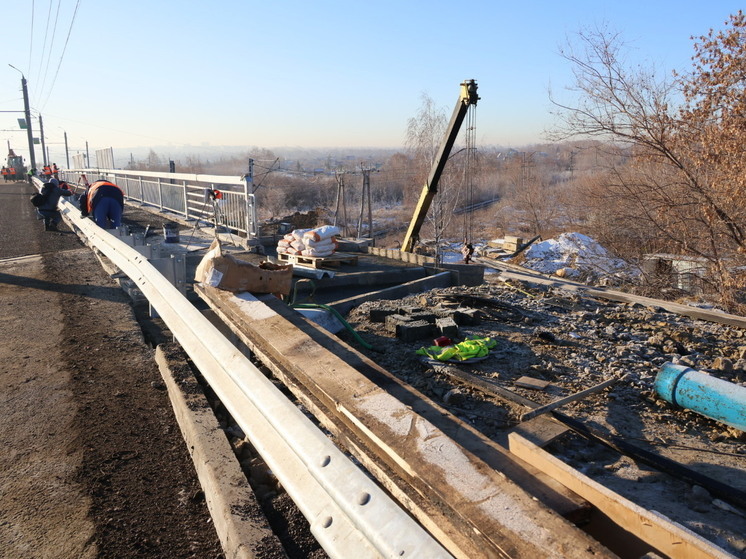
(292, 243)
(318, 242)
(321, 241)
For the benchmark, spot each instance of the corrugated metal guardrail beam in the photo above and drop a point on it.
(348, 513)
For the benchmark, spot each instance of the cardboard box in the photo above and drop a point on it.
(231, 274)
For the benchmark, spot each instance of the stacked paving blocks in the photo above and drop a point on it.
(410, 324)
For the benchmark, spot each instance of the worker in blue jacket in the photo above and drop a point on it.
(48, 210)
(103, 200)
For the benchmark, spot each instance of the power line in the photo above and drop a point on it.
(64, 49)
(31, 37)
(51, 45)
(44, 45)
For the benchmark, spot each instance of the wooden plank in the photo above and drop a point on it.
(485, 514)
(532, 383)
(724, 491)
(661, 533)
(540, 431)
(572, 398)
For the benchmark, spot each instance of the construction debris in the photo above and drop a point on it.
(568, 343)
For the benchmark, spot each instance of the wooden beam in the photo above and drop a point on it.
(658, 531)
(724, 491)
(572, 398)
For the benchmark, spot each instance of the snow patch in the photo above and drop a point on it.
(574, 255)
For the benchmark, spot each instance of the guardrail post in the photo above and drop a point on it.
(251, 228)
(142, 197)
(186, 200)
(160, 194)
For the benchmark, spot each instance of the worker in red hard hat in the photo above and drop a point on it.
(103, 200)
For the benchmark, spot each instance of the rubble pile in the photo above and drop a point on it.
(568, 344)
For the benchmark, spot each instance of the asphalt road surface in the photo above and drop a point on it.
(93, 464)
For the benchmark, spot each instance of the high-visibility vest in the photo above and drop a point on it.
(12, 171)
(5, 171)
(92, 192)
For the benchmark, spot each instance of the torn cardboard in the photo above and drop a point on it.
(231, 274)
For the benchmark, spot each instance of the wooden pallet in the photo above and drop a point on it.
(334, 260)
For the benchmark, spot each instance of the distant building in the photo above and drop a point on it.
(687, 273)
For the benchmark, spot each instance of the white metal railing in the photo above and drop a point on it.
(348, 513)
(188, 195)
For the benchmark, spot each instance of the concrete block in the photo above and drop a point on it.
(423, 315)
(444, 312)
(393, 321)
(466, 317)
(447, 327)
(379, 315)
(415, 330)
(466, 274)
(410, 309)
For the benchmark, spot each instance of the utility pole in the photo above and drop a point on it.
(67, 153)
(27, 110)
(526, 166)
(341, 201)
(87, 156)
(43, 148)
(365, 195)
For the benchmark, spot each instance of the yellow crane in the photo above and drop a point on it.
(467, 97)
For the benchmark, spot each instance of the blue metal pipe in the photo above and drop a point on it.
(712, 397)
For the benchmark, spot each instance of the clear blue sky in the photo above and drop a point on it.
(322, 73)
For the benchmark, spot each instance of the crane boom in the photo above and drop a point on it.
(467, 97)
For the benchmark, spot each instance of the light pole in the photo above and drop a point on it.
(67, 152)
(27, 110)
(43, 145)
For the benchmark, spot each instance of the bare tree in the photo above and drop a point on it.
(679, 165)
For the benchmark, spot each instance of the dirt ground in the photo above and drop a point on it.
(574, 343)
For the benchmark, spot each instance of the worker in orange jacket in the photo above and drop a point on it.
(103, 200)
(5, 174)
